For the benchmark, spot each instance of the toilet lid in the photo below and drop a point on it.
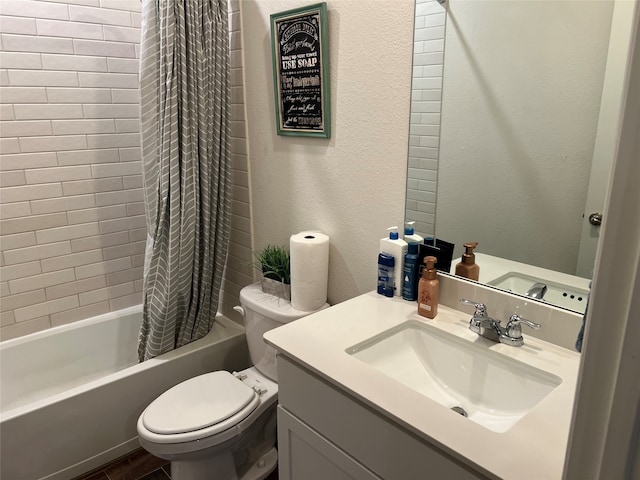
(198, 403)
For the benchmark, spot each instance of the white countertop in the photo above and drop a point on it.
(534, 448)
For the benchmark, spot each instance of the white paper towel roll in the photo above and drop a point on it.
(309, 270)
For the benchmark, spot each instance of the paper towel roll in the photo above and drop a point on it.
(309, 270)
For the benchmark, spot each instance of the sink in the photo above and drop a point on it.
(565, 296)
(494, 390)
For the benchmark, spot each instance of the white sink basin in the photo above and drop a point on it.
(565, 296)
(494, 390)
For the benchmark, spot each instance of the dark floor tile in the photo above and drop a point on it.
(139, 465)
(156, 475)
(273, 475)
(94, 476)
(134, 466)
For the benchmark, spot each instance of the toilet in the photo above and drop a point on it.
(223, 425)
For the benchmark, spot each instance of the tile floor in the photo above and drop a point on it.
(138, 465)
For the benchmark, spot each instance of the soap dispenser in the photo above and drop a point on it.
(468, 267)
(410, 235)
(429, 289)
(396, 247)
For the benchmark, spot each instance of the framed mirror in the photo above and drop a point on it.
(513, 124)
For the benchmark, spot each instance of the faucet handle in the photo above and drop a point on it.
(513, 329)
(481, 308)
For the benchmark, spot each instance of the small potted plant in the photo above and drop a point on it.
(274, 264)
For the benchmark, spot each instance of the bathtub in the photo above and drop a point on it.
(70, 396)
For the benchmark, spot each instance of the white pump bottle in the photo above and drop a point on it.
(396, 247)
(410, 235)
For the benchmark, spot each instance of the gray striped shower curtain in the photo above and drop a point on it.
(185, 109)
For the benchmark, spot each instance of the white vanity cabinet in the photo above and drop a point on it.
(326, 434)
(305, 454)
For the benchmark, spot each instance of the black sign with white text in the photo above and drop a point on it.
(299, 72)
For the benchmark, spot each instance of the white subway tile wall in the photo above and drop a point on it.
(59, 184)
(72, 227)
(426, 96)
(238, 272)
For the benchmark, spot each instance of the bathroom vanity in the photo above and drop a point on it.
(324, 433)
(366, 390)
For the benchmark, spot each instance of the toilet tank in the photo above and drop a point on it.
(263, 312)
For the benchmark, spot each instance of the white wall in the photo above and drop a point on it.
(352, 186)
(521, 95)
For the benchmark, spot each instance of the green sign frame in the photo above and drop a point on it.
(299, 44)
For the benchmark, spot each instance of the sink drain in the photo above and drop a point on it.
(460, 411)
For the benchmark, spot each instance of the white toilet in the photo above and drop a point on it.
(223, 425)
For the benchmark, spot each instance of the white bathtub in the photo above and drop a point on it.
(71, 395)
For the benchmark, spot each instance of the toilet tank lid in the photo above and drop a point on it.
(271, 306)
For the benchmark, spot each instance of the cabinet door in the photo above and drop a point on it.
(304, 454)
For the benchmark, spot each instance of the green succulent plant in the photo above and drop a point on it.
(274, 263)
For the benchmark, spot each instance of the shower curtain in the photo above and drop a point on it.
(185, 109)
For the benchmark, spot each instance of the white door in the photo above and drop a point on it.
(607, 134)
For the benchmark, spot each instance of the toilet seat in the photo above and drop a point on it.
(199, 407)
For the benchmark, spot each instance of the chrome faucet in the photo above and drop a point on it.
(513, 332)
(481, 323)
(537, 290)
(492, 329)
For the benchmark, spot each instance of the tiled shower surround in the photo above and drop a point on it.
(72, 213)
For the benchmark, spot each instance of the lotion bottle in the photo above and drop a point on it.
(410, 235)
(468, 267)
(396, 247)
(429, 289)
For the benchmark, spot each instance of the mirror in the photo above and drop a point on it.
(504, 126)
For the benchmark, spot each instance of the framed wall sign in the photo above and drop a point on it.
(301, 71)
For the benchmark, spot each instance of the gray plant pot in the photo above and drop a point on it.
(276, 288)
